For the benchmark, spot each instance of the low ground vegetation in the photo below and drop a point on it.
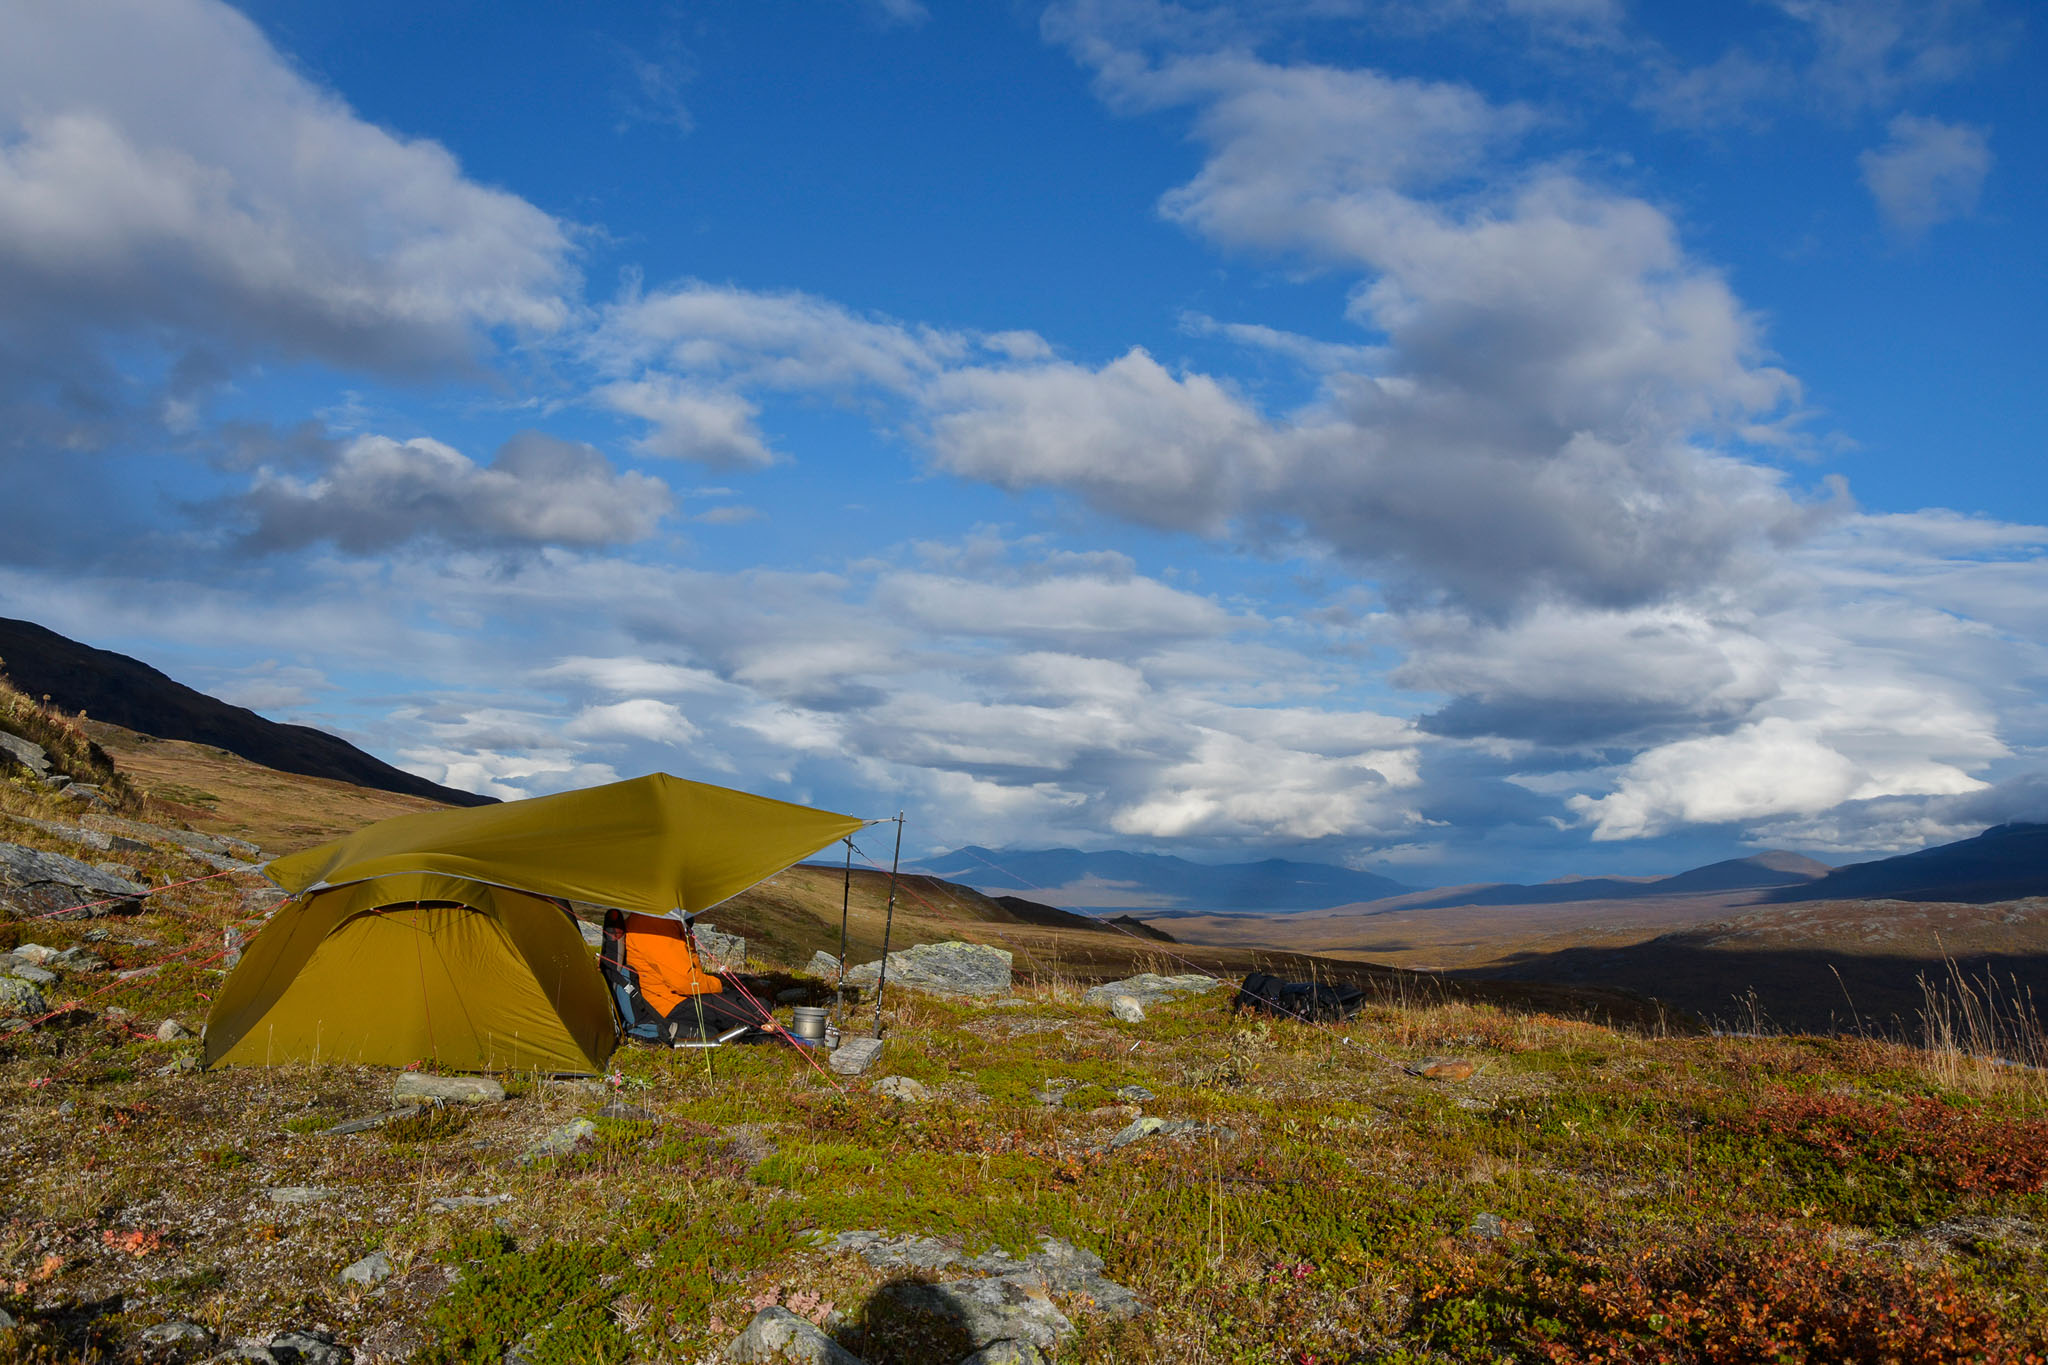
(1588, 1193)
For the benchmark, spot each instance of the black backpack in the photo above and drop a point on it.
(1305, 1000)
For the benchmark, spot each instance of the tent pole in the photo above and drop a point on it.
(845, 906)
(888, 922)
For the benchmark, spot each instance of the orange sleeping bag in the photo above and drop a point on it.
(659, 950)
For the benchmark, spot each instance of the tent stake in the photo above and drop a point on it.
(888, 922)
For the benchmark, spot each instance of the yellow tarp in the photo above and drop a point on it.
(652, 844)
(402, 969)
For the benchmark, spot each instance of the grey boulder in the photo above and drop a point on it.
(950, 968)
(776, 1334)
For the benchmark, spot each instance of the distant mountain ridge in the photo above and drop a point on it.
(1115, 880)
(1762, 871)
(129, 693)
(2005, 862)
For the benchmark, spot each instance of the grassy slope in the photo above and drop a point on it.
(1657, 1197)
(213, 790)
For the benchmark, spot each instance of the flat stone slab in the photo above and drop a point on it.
(419, 1085)
(1149, 989)
(855, 1055)
(299, 1194)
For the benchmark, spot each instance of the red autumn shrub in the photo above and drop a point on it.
(1727, 1295)
(1958, 1149)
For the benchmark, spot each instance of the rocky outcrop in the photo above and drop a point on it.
(38, 885)
(951, 968)
(218, 844)
(93, 840)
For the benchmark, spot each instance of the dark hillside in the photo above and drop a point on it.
(129, 693)
(1114, 880)
(2005, 862)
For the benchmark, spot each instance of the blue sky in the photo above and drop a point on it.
(1489, 439)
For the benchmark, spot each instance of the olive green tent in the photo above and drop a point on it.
(440, 937)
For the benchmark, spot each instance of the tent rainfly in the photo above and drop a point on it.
(441, 936)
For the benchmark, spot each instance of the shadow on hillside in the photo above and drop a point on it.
(1599, 1003)
(906, 1322)
(1800, 990)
